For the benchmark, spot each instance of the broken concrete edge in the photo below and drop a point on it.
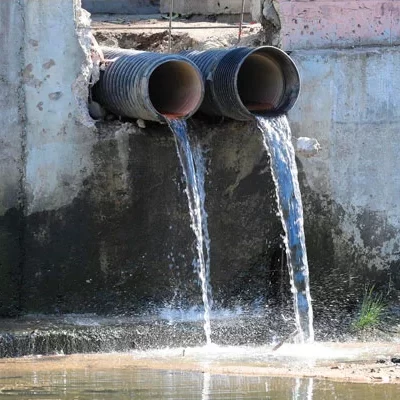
(269, 16)
(90, 71)
(30, 139)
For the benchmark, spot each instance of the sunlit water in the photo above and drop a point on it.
(278, 143)
(148, 384)
(209, 372)
(194, 170)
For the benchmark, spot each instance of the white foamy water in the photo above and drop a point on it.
(306, 353)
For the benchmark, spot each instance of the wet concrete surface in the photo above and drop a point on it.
(168, 328)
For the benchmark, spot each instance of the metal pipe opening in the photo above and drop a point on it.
(242, 81)
(149, 86)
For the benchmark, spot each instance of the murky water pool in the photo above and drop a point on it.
(149, 384)
(310, 372)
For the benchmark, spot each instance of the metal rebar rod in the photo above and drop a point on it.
(241, 21)
(171, 11)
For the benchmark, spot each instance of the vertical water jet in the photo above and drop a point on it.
(200, 166)
(194, 177)
(277, 142)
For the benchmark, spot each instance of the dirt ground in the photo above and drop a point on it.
(151, 32)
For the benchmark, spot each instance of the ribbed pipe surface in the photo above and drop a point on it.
(243, 81)
(149, 86)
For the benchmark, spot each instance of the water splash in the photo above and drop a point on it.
(194, 170)
(277, 141)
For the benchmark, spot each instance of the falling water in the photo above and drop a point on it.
(277, 141)
(200, 167)
(193, 170)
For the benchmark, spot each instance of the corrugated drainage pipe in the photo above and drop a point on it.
(243, 81)
(149, 86)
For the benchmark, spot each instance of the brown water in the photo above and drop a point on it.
(133, 383)
(211, 372)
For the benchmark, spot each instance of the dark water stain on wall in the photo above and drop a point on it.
(11, 261)
(125, 243)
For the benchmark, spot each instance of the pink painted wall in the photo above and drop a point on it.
(339, 23)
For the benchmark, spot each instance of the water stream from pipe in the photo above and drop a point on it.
(200, 167)
(193, 166)
(277, 141)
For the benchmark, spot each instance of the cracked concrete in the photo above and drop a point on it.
(267, 12)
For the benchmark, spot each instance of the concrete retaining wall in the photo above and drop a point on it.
(59, 131)
(46, 125)
(350, 102)
(97, 219)
(339, 23)
(45, 128)
(331, 23)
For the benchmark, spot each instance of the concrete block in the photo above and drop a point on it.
(256, 9)
(55, 75)
(350, 104)
(11, 104)
(206, 7)
(339, 23)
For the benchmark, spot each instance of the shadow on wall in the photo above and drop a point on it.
(122, 6)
